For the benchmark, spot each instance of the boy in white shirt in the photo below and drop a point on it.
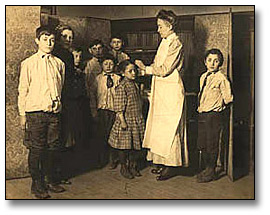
(92, 70)
(39, 103)
(107, 81)
(214, 96)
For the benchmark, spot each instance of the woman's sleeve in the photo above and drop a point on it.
(174, 59)
(120, 99)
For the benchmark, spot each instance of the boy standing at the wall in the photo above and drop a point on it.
(214, 96)
(39, 103)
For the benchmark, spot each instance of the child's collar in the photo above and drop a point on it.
(41, 54)
(105, 73)
(214, 72)
(116, 52)
(128, 80)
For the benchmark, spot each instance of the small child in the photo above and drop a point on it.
(128, 129)
(76, 102)
(96, 50)
(92, 70)
(214, 96)
(39, 103)
(116, 45)
(107, 81)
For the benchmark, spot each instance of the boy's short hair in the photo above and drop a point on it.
(44, 29)
(77, 49)
(96, 42)
(108, 57)
(117, 36)
(218, 53)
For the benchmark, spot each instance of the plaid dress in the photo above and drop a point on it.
(128, 100)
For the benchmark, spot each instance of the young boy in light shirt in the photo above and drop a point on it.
(39, 103)
(214, 96)
(116, 45)
(107, 81)
(92, 70)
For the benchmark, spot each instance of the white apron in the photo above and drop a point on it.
(165, 136)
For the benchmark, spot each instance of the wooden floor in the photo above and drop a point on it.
(108, 184)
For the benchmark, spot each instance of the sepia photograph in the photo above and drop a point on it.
(141, 102)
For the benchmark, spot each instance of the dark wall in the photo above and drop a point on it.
(243, 87)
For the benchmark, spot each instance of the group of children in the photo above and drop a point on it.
(115, 100)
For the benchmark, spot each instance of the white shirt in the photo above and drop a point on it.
(105, 95)
(40, 84)
(216, 93)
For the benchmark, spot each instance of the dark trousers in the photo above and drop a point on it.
(105, 122)
(42, 140)
(73, 122)
(209, 130)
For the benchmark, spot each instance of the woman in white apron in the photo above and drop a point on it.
(165, 134)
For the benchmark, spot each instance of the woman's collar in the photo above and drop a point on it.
(171, 36)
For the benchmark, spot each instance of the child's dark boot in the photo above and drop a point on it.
(125, 172)
(134, 169)
(39, 190)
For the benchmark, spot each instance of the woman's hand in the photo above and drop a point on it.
(141, 72)
(140, 64)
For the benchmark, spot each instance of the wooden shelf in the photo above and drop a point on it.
(137, 51)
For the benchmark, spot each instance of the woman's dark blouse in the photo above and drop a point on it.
(67, 57)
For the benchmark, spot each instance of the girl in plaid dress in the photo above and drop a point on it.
(128, 130)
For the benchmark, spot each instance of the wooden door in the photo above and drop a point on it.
(243, 89)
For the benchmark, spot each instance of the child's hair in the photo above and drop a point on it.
(96, 42)
(108, 57)
(117, 36)
(44, 29)
(122, 66)
(168, 16)
(218, 53)
(77, 49)
(60, 28)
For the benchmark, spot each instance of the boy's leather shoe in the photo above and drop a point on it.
(39, 191)
(41, 195)
(206, 179)
(113, 165)
(55, 188)
(206, 176)
(66, 182)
